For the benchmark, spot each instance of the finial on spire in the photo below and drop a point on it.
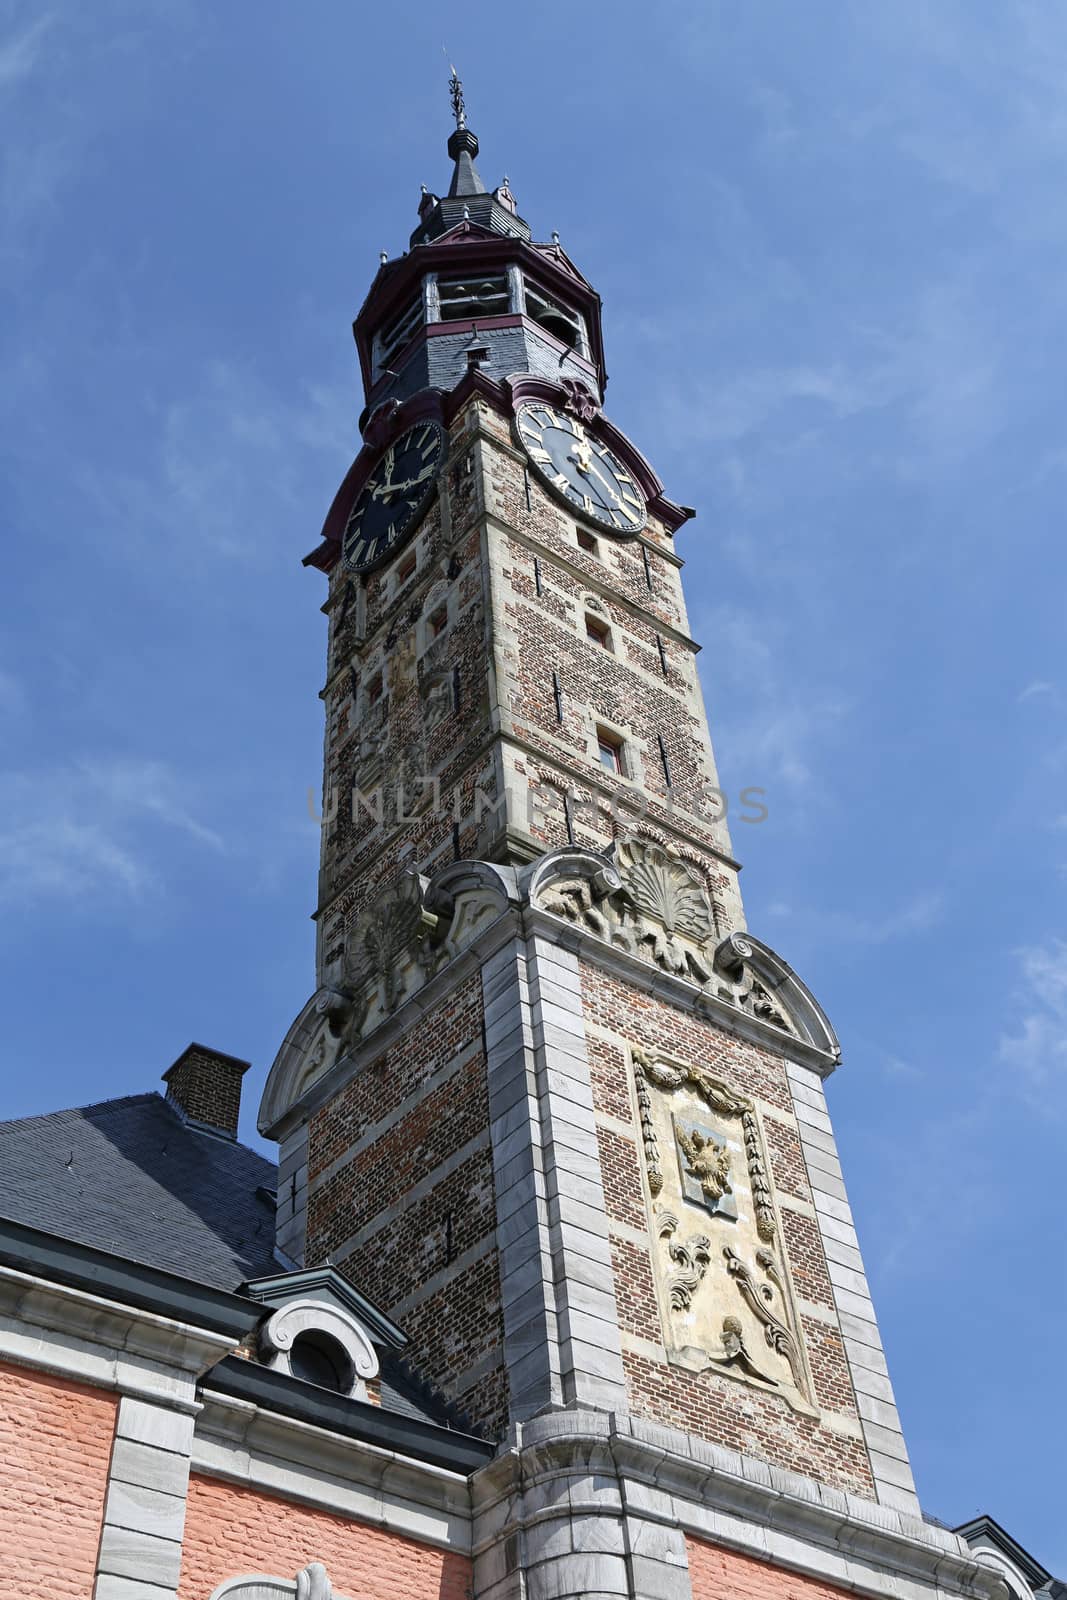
(459, 107)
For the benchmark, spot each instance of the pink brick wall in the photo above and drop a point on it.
(230, 1530)
(55, 1446)
(724, 1575)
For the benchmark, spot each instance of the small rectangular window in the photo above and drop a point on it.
(438, 621)
(406, 569)
(609, 752)
(598, 631)
(587, 542)
(374, 689)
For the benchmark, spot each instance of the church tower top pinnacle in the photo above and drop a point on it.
(468, 199)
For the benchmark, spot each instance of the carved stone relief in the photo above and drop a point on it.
(647, 901)
(400, 940)
(725, 1299)
(435, 689)
(392, 947)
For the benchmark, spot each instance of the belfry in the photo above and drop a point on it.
(555, 1293)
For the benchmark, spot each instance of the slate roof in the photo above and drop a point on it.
(131, 1177)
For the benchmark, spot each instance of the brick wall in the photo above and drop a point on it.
(205, 1085)
(718, 1574)
(231, 1530)
(55, 1446)
(401, 1198)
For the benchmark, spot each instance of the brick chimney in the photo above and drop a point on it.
(204, 1086)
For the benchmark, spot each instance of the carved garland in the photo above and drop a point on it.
(720, 1098)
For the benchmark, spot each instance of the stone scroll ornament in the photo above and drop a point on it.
(721, 1277)
(645, 900)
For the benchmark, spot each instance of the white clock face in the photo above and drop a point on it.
(580, 468)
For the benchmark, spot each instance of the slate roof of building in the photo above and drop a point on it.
(131, 1177)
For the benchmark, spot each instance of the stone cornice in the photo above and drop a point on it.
(103, 1342)
(677, 1480)
(242, 1442)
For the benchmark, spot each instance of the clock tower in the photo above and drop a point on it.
(551, 1105)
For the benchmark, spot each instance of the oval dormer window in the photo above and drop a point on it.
(317, 1358)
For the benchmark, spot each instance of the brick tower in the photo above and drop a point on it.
(551, 1106)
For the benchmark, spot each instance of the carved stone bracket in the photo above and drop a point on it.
(761, 984)
(311, 1583)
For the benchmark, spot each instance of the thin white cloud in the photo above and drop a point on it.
(229, 471)
(21, 49)
(781, 724)
(916, 915)
(12, 695)
(1035, 1046)
(89, 833)
(1033, 690)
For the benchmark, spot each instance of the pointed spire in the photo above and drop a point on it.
(468, 199)
(462, 146)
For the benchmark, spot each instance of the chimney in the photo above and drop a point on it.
(204, 1087)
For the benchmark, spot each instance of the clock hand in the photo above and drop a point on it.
(387, 489)
(583, 462)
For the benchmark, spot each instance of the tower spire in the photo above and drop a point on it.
(462, 146)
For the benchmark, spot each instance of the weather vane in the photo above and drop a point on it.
(459, 109)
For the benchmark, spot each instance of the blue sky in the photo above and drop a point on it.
(830, 240)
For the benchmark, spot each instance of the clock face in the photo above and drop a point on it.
(393, 497)
(581, 470)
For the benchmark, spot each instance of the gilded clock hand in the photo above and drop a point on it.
(388, 489)
(581, 457)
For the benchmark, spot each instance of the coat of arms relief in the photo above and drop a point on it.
(726, 1304)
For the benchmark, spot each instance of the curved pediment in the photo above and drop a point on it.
(769, 989)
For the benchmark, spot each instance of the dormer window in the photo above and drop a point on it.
(320, 1330)
(318, 1358)
(464, 299)
(394, 335)
(561, 323)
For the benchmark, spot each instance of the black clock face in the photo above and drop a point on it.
(582, 470)
(393, 497)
